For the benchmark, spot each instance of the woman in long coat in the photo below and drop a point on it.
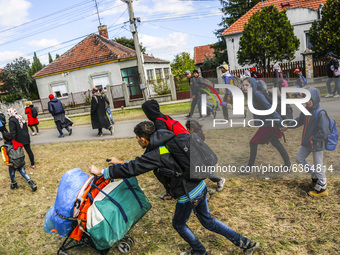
(99, 118)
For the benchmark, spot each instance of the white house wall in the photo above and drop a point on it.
(300, 18)
(80, 80)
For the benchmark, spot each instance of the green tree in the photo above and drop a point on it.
(129, 43)
(57, 56)
(325, 33)
(233, 10)
(50, 59)
(210, 63)
(267, 37)
(36, 65)
(181, 63)
(16, 79)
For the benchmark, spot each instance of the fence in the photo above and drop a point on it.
(72, 100)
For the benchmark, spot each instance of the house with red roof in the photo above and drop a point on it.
(201, 53)
(301, 14)
(97, 61)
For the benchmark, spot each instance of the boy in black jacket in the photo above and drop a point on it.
(158, 159)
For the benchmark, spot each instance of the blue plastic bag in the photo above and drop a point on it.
(69, 187)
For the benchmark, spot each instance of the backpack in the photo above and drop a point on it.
(289, 109)
(3, 118)
(173, 125)
(16, 156)
(333, 136)
(34, 112)
(190, 151)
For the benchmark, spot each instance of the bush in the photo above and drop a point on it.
(161, 87)
(12, 97)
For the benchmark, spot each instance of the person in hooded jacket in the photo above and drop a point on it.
(158, 159)
(228, 97)
(266, 133)
(18, 129)
(32, 121)
(99, 119)
(56, 108)
(278, 76)
(315, 133)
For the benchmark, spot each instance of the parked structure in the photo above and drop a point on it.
(301, 14)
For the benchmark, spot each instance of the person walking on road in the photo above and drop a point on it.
(18, 129)
(107, 105)
(56, 108)
(32, 117)
(195, 84)
(228, 98)
(99, 119)
(333, 75)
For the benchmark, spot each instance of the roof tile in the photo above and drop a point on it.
(202, 52)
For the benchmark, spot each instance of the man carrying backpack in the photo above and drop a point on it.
(56, 108)
(315, 133)
(266, 133)
(158, 159)
(13, 155)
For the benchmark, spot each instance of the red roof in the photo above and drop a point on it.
(237, 26)
(93, 50)
(202, 52)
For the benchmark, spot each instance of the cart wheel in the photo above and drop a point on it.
(130, 240)
(62, 253)
(124, 247)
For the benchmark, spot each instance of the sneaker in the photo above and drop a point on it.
(321, 193)
(37, 133)
(251, 248)
(33, 133)
(111, 130)
(337, 95)
(70, 132)
(188, 116)
(32, 185)
(220, 185)
(192, 253)
(14, 185)
(100, 134)
(329, 95)
(61, 136)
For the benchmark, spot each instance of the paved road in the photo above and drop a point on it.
(124, 129)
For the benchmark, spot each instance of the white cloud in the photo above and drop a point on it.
(9, 56)
(14, 12)
(44, 43)
(165, 47)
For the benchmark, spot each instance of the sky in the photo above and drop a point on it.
(166, 27)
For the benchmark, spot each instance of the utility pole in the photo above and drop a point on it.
(140, 59)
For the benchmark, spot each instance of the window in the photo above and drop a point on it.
(166, 73)
(59, 89)
(158, 73)
(308, 43)
(149, 73)
(131, 77)
(101, 81)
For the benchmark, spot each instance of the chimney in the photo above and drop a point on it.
(103, 31)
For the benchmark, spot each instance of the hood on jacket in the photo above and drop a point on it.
(252, 82)
(16, 144)
(159, 138)
(54, 100)
(151, 110)
(315, 96)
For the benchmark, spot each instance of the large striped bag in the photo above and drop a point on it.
(115, 210)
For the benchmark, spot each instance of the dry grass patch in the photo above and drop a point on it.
(275, 212)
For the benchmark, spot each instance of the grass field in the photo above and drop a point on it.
(276, 212)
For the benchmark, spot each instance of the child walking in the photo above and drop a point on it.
(13, 156)
(301, 81)
(31, 117)
(315, 133)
